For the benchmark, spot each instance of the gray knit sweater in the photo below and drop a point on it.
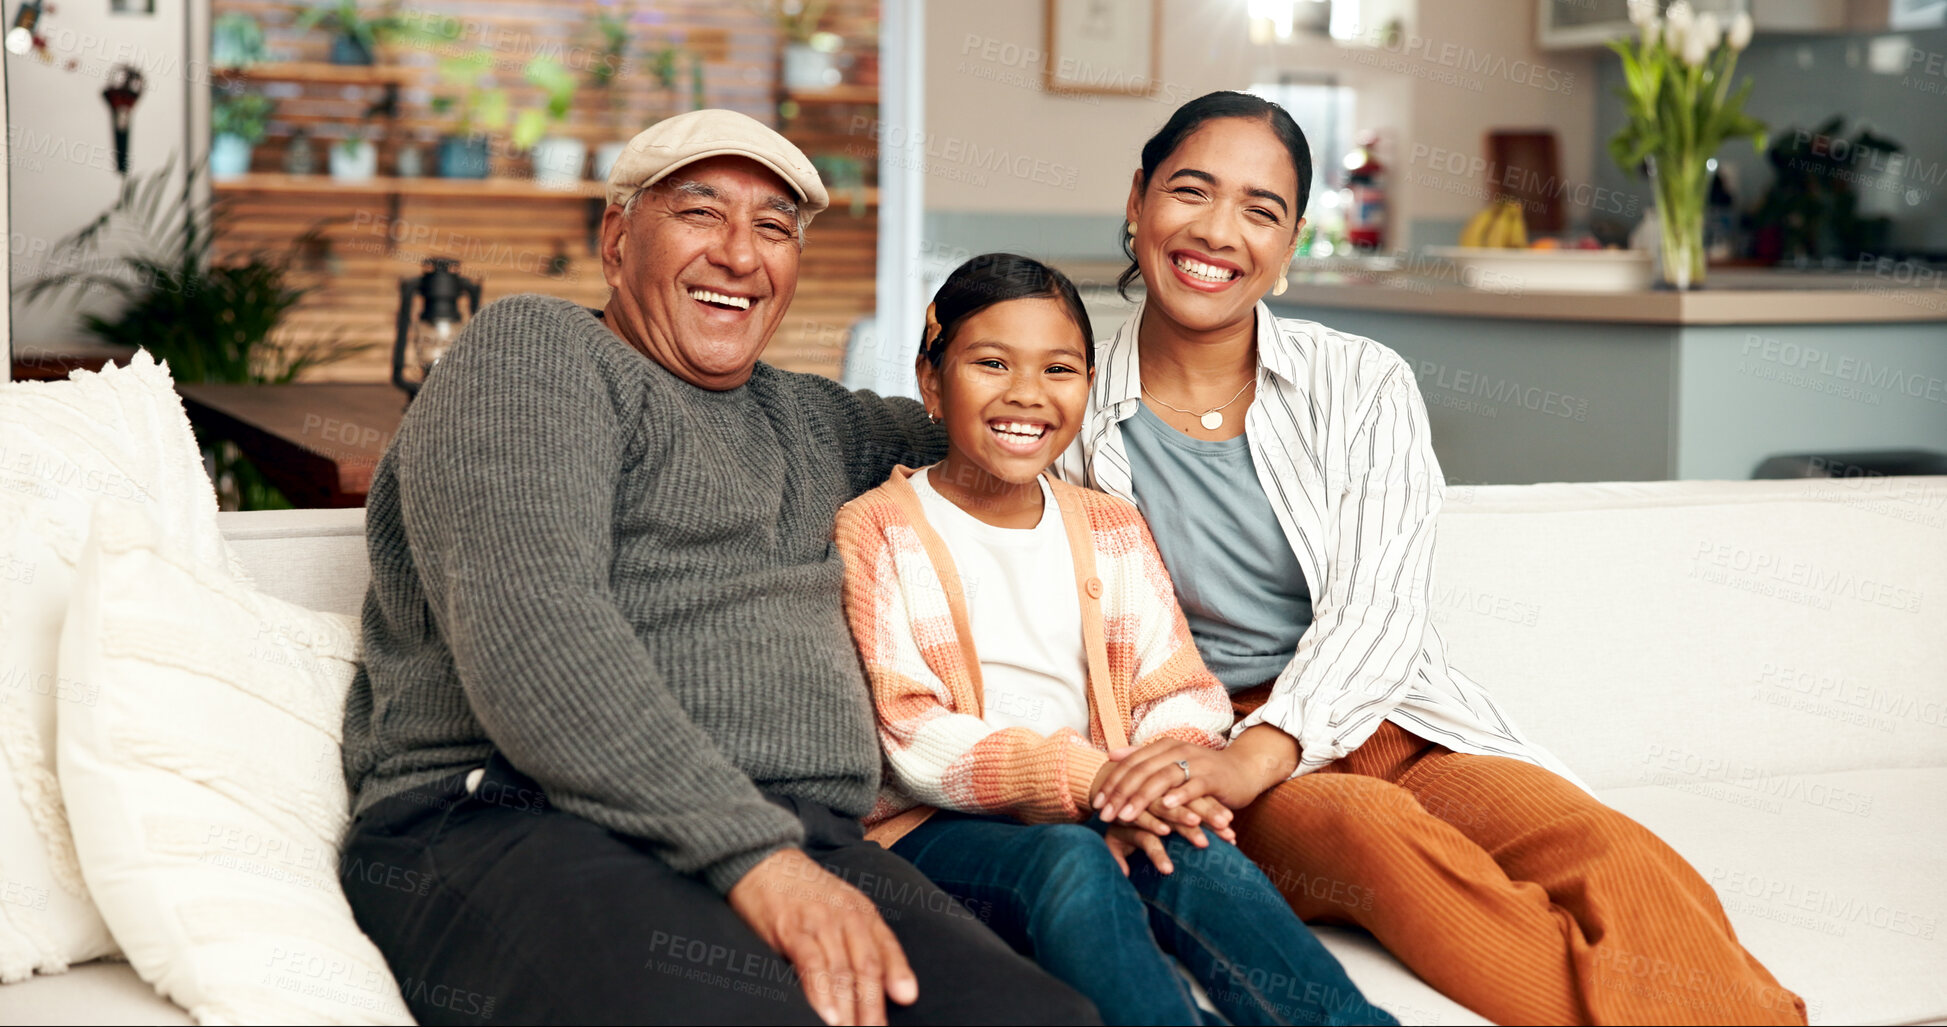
(623, 583)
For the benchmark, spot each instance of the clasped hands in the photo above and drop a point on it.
(1144, 794)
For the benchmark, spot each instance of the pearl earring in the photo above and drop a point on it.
(1131, 228)
(1284, 282)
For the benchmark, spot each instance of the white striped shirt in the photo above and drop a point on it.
(1339, 436)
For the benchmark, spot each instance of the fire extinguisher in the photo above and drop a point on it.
(1365, 181)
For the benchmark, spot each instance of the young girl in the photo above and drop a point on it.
(1015, 630)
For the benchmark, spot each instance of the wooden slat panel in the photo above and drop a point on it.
(512, 235)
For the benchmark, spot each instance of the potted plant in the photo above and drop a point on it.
(557, 158)
(611, 60)
(237, 122)
(354, 159)
(478, 107)
(213, 318)
(810, 56)
(236, 41)
(358, 35)
(1678, 109)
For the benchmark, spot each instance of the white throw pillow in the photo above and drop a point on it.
(205, 788)
(63, 446)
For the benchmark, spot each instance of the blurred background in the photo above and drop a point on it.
(297, 204)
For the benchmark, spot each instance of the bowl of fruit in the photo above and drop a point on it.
(1496, 255)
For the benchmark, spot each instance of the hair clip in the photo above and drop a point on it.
(932, 325)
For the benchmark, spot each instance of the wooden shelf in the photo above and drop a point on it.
(326, 73)
(835, 94)
(484, 188)
(843, 197)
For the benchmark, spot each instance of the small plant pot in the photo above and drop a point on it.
(807, 68)
(356, 162)
(229, 157)
(605, 157)
(463, 157)
(349, 50)
(558, 161)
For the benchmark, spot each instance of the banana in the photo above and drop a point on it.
(1518, 227)
(1475, 234)
(1497, 230)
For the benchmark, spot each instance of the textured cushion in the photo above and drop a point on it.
(204, 787)
(1624, 626)
(1837, 882)
(63, 445)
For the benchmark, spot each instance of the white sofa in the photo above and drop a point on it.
(1755, 670)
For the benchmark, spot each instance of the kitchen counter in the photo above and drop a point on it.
(1730, 297)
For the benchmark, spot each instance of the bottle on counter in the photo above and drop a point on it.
(1365, 196)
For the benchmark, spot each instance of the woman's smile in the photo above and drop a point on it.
(1200, 271)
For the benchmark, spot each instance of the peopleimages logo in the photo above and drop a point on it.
(1812, 359)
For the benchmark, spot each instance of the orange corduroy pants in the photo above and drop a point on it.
(1506, 887)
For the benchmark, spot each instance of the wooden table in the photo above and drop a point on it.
(44, 363)
(318, 443)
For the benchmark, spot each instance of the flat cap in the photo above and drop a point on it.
(687, 138)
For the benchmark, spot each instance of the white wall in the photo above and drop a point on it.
(1462, 69)
(1491, 44)
(61, 155)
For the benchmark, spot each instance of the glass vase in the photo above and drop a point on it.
(1681, 185)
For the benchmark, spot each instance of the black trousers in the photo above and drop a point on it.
(492, 906)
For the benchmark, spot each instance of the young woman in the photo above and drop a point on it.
(1014, 629)
(1289, 478)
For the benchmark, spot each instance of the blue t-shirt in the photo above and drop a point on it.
(1239, 584)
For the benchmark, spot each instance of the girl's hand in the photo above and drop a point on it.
(1124, 841)
(1150, 780)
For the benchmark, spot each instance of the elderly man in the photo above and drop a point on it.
(611, 741)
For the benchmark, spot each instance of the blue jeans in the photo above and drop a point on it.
(1054, 892)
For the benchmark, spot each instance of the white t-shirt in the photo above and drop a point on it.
(1022, 608)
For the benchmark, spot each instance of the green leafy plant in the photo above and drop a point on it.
(1811, 209)
(213, 320)
(666, 66)
(477, 106)
(237, 41)
(612, 48)
(558, 86)
(366, 30)
(798, 20)
(242, 114)
(1679, 107)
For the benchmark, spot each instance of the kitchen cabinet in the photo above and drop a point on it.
(1584, 24)
(1578, 24)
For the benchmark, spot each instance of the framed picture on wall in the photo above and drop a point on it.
(1102, 46)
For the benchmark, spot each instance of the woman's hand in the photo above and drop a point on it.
(1149, 780)
(1125, 841)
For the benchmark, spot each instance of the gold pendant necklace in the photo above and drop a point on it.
(1211, 419)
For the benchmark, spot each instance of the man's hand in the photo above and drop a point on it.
(1125, 841)
(846, 957)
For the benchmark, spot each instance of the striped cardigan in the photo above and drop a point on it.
(909, 618)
